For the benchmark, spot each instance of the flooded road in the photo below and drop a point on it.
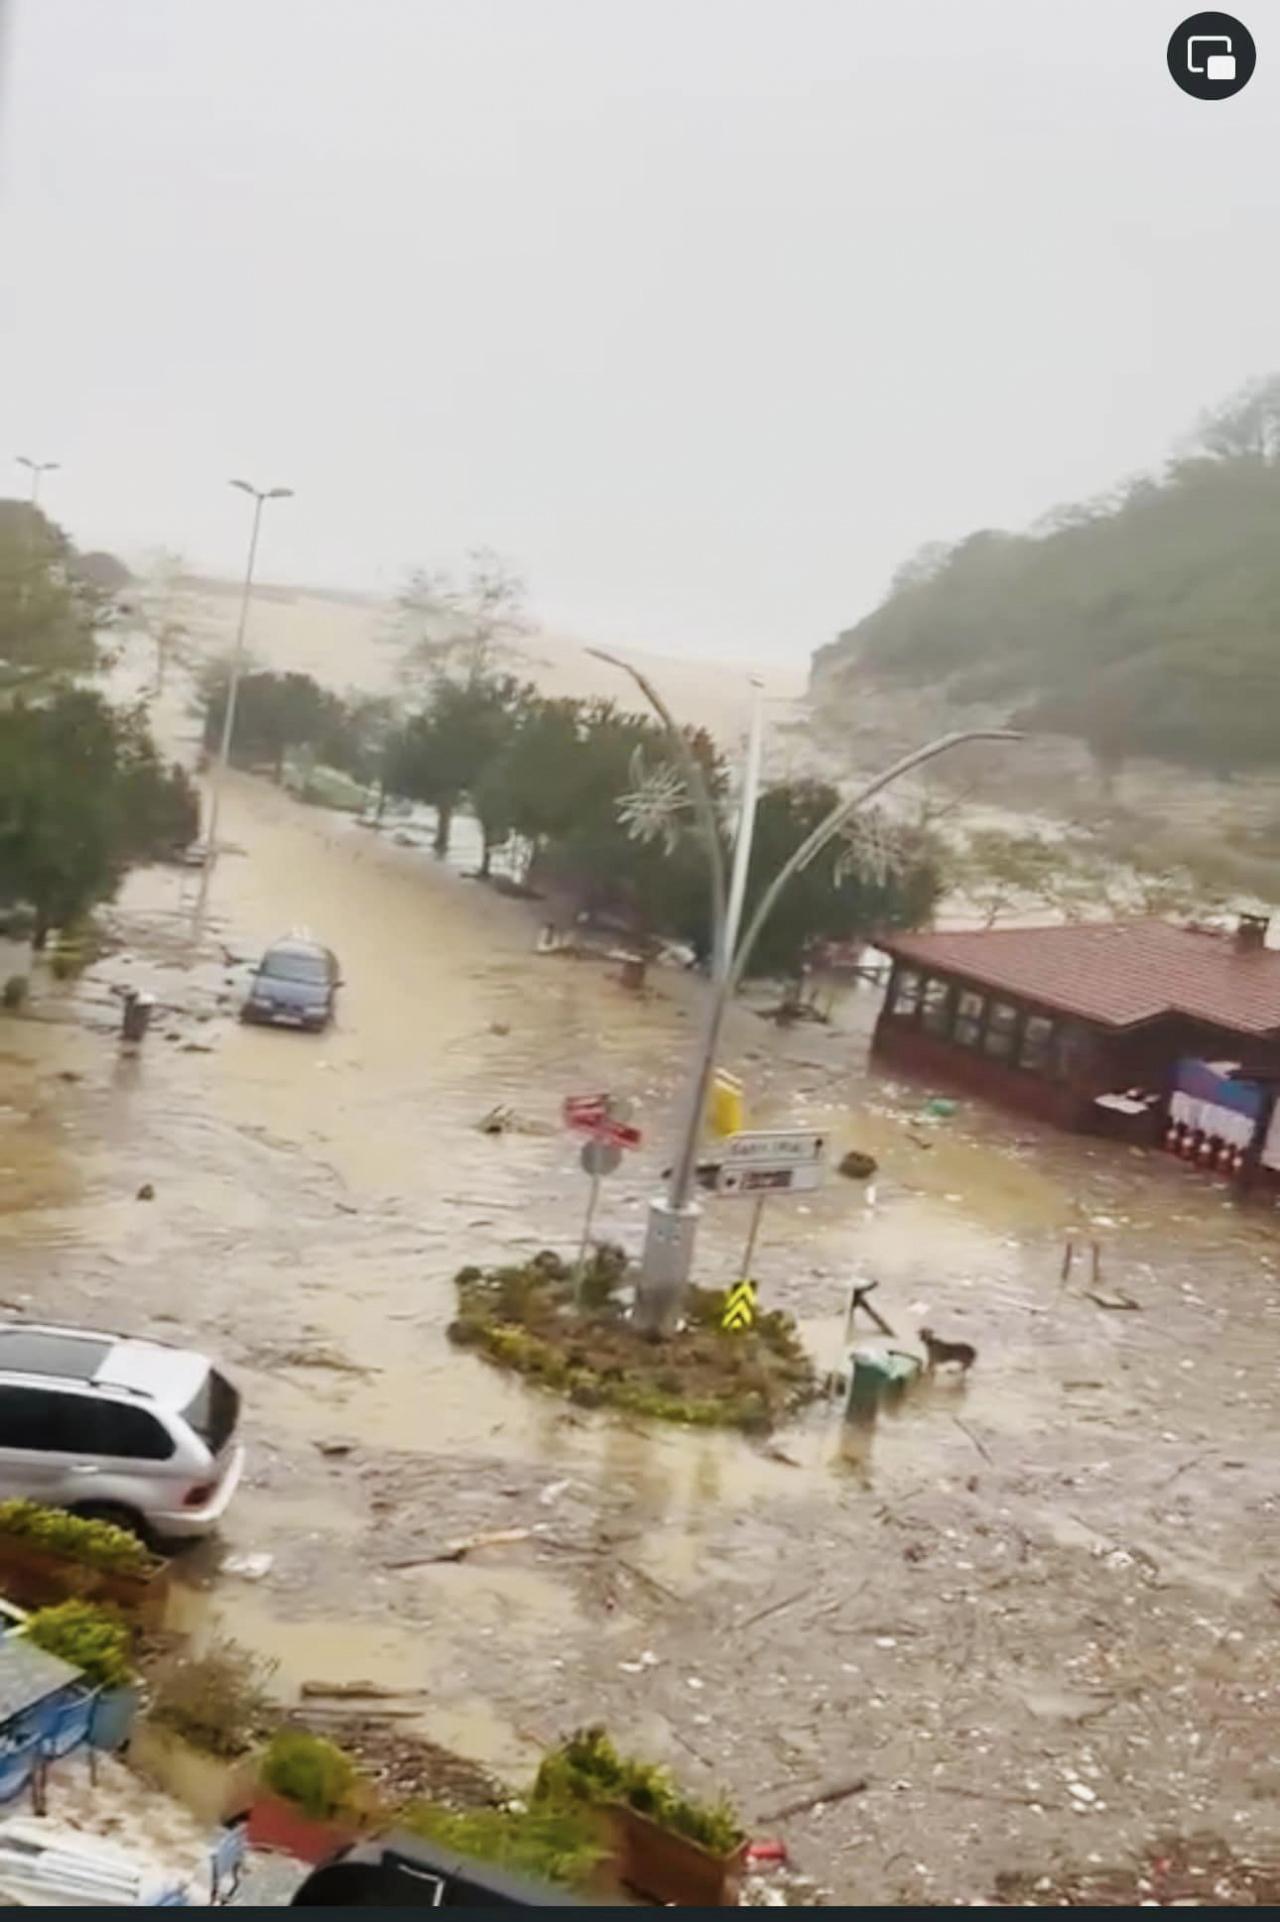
(1055, 1573)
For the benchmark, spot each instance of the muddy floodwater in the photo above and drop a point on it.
(1038, 1616)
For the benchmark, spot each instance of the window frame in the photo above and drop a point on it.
(944, 1005)
(1046, 1067)
(975, 1024)
(1010, 1033)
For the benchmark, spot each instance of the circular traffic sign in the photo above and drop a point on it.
(600, 1157)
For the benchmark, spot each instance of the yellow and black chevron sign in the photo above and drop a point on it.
(739, 1306)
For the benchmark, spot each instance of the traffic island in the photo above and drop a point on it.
(573, 1335)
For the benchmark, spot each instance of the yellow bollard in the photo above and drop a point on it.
(726, 1107)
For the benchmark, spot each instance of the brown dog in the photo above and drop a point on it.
(962, 1353)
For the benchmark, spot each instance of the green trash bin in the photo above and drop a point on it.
(877, 1375)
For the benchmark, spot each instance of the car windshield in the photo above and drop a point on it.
(288, 964)
(214, 1412)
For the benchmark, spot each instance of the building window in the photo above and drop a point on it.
(970, 1009)
(1037, 1044)
(935, 1007)
(1002, 1030)
(905, 1002)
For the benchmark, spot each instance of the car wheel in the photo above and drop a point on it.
(117, 1514)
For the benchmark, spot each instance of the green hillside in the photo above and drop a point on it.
(1144, 623)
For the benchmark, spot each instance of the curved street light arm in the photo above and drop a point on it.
(815, 842)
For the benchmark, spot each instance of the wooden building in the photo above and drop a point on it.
(1094, 1026)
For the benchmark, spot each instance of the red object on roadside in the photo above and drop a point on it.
(767, 1852)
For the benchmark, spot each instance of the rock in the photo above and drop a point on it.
(146, 1192)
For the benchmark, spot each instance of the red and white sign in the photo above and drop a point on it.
(584, 1112)
(594, 1115)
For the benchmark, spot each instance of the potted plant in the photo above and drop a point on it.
(666, 1846)
(201, 1740)
(49, 1555)
(98, 1641)
(311, 1800)
(558, 1843)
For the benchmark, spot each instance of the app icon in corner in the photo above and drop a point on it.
(1212, 56)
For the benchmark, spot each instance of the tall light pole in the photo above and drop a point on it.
(673, 1217)
(37, 468)
(260, 496)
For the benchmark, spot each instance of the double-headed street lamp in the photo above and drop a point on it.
(260, 496)
(673, 1217)
(37, 468)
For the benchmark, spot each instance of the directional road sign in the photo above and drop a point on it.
(756, 1182)
(739, 1307)
(777, 1147)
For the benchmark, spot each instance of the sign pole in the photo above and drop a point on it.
(580, 1265)
(752, 1234)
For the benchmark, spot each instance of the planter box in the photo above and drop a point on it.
(277, 1824)
(33, 1576)
(669, 1868)
(215, 1790)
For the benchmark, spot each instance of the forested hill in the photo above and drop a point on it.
(1145, 623)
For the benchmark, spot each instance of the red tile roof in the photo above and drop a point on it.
(1113, 973)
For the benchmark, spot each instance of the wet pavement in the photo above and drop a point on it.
(1039, 1616)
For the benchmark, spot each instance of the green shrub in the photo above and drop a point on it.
(216, 1701)
(315, 1775)
(95, 1639)
(13, 996)
(558, 1844)
(588, 1769)
(96, 1544)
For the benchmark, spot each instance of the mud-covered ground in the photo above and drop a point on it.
(1040, 1619)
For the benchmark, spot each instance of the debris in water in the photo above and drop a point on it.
(251, 1567)
(146, 1192)
(459, 1550)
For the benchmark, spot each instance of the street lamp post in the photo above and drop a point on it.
(37, 468)
(260, 496)
(673, 1217)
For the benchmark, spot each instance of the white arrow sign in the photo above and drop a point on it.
(755, 1179)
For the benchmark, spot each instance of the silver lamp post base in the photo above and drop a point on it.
(665, 1264)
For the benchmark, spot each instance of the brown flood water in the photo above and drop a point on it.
(314, 1196)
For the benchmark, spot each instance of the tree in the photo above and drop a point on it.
(465, 629)
(442, 755)
(1145, 622)
(82, 795)
(856, 887)
(163, 606)
(49, 618)
(274, 713)
(1247, 425)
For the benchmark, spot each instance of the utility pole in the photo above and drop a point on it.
(673, 1217)
(260, 496)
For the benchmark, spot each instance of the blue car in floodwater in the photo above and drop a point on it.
(295, 985)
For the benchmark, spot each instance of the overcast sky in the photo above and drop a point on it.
(705, 312)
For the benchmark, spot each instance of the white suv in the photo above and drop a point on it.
(126, 1431)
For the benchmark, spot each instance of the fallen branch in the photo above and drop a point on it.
(833, 1792)
(356, 1691)
(458, 1551)
(989, 1795)
(979, 1445)
(774, 1608)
